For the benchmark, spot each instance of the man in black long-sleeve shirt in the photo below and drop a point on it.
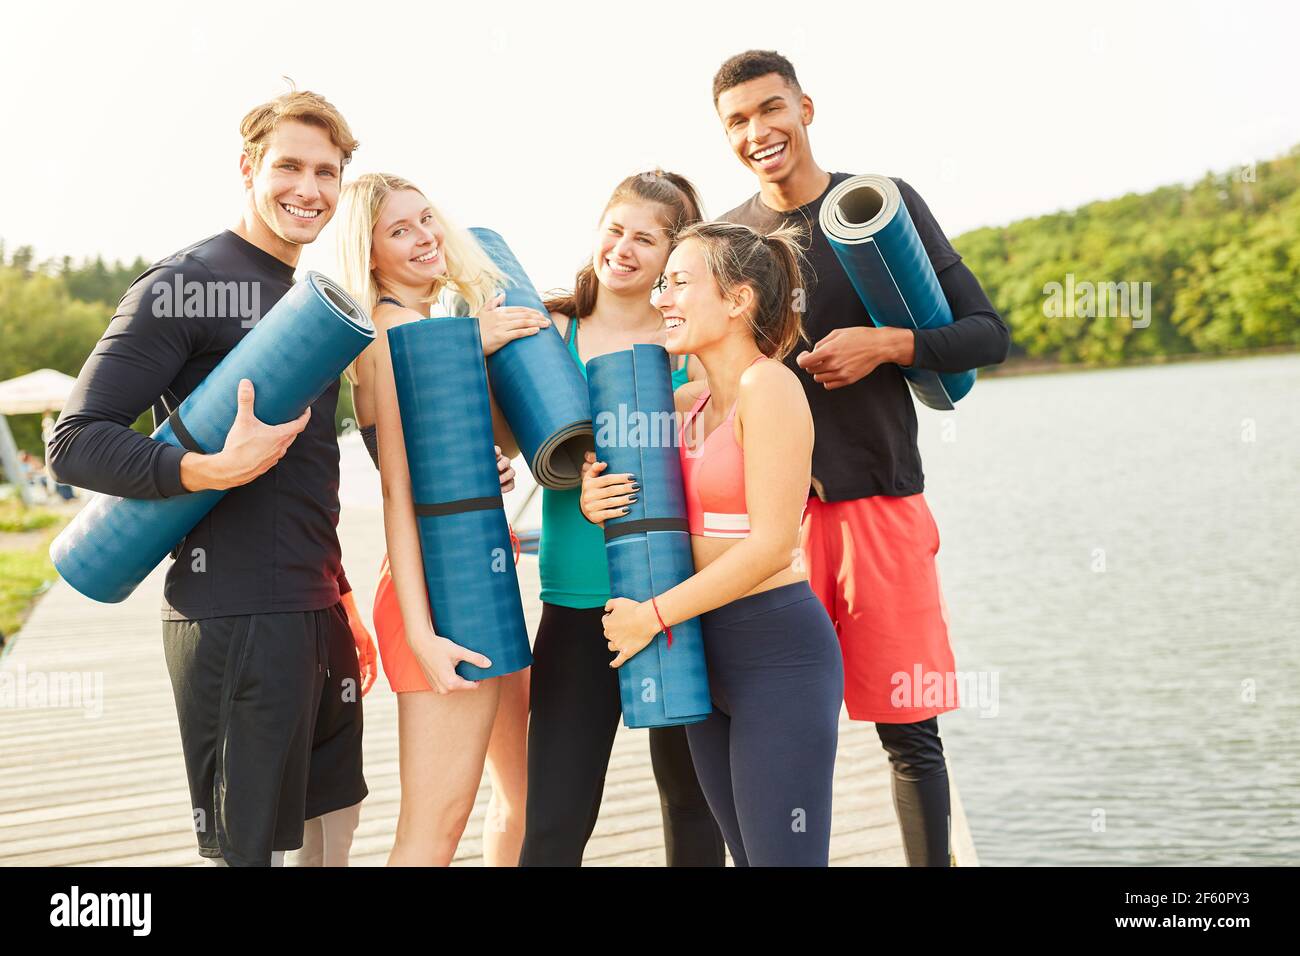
(258, 618)
(868, 537)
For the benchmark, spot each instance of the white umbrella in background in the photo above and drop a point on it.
(35, 393)
(44, 390)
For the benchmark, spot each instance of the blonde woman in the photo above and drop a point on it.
(398, 255)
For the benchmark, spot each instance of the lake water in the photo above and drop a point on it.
(1120, 549)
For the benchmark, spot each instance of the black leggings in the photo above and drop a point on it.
(575, 714)
(766, 755)
(920, 785)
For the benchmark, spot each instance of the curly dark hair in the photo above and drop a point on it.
(749, 66)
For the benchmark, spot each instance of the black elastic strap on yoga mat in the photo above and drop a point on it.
(183, 434)
(458, 507)
(645, 524)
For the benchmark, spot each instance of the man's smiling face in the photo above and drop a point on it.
(766, 124)
(296, 184)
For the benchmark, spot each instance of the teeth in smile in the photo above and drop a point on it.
(674, 322)
(620, 268)
(300, 212)
(427, 257)
(770, 151)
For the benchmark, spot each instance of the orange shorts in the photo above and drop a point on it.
(400, 664)
(871, 562)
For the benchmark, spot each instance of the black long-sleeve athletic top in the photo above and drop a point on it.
(268, 546)
(865, 442)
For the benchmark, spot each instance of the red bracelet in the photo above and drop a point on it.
(667, 631)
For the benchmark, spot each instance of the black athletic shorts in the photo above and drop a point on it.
(270, 718)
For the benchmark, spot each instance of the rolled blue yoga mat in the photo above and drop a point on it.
(469, 565)
(537, 384)
(295, 352)
(872, 234)
(649, 548)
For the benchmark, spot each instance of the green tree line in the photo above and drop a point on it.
(51, 315)
(53, 312)
(1221, 256)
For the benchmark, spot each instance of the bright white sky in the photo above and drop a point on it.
(120, 121)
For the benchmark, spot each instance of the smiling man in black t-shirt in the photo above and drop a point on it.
(260, 629)
(868, 537)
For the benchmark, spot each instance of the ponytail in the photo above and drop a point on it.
(770, 265)
(786, 326)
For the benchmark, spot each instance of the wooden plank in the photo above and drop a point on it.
(111, 790)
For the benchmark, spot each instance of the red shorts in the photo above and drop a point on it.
(871, 562)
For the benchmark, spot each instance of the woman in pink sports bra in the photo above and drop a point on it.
(715, 496)
(766, 755)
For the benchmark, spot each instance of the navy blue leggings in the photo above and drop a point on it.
(765, 757)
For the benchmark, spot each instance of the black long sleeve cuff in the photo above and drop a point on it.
(977, 336)
(113, 459)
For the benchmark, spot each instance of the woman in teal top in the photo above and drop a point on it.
(574, 696)
(572, 553)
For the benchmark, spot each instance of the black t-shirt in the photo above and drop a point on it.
(865, 441)
(268, 546)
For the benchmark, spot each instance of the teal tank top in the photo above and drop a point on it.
(571, 554)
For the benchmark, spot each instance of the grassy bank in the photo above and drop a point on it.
(25, 568)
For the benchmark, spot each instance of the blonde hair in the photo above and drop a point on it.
(769, 263)
(470, 273)
(303, 106)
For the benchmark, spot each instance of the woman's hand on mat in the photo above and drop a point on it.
(506, 471)
(499, 326)
(851, 354)
(252, 448)
(605, 496)
(629, 627)
(438, 658)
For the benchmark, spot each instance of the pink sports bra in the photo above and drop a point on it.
(714, 478)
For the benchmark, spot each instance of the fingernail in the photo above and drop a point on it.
(636, 487)
(632, 499)
(625, 510)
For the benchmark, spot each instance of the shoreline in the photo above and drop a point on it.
(1031, 366)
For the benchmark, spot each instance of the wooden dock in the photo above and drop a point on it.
(81, 789)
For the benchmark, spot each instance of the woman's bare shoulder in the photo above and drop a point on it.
(387, 316)
(766, 374)
(770, 386)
